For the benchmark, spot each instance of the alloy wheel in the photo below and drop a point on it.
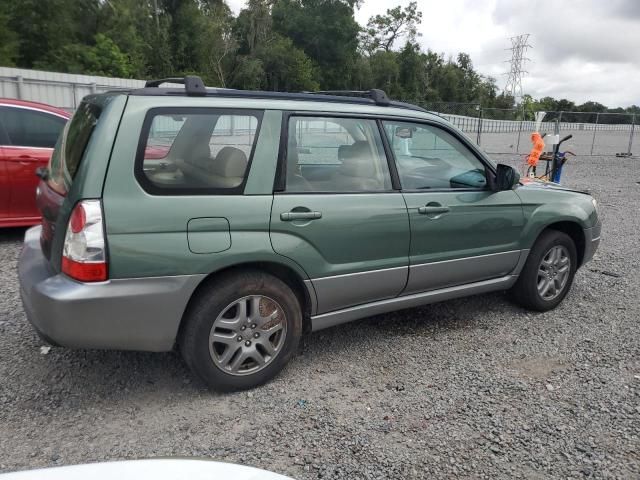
(248, 334)
(553, 272)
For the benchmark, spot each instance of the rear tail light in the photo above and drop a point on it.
(84, 255)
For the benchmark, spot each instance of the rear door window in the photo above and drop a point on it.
(196, 150)
(331, 154)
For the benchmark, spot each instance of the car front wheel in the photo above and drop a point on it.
(548, 272)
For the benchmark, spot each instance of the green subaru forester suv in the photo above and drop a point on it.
(229, 223)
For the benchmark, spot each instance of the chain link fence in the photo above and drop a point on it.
(500, 130)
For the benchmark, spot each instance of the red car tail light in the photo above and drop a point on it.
(84, 255)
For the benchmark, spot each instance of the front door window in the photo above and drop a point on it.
(431, 158)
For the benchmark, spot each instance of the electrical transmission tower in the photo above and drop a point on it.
(518, 49)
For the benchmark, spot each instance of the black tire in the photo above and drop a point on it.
(525, 291)
(210, 302)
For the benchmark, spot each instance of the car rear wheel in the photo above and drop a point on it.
(241, 330)
(548, 273)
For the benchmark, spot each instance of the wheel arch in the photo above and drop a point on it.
(574, 230)
(287, 274)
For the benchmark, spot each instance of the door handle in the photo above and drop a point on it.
(432, 210)
(289, 216)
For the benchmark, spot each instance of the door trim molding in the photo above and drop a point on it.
(364, 272)
(458, 271)
(344, 290)
(319, 322)
(460, 259)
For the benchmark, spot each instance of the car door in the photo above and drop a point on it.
(461, 230)
(336, 213)
(32, 134)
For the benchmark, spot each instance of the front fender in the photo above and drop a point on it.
(545, 208)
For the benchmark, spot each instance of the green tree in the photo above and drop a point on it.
(286, 67)
(383, 31)
(361, 76)
(219, 46)
(253, 25)
(139, 30)
(45, 26)
(504, 101)
(591, 107)
(248, 73)
(103, 58)
(385, 72)
(326, 31)
(565, 105)
(267, 59)
(8, 39)
(412, 73)
(271, 44)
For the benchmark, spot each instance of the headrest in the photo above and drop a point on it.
(356, 160)
(230, 162)
(199, 155)
(357, 149)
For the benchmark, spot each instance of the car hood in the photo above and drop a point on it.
(529, 183)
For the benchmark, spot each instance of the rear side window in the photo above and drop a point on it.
(196, 150)
(31, 128)
(72, 144)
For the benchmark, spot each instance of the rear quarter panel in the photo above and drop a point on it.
(90, 177)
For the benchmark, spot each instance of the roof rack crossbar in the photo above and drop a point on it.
(375, 94)
(193, 85)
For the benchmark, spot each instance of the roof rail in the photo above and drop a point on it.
(193, 85)
(375, 94)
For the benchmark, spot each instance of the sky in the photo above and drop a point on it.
(581, 49)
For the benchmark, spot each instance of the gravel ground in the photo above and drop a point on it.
(472, 388)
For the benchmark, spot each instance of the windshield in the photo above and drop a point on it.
(71, 145)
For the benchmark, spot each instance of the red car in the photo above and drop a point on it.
(28, 133)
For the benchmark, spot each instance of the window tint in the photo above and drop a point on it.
(207, 150)
(335, 155)
(4, 139)
(430, 157)
(29, 128)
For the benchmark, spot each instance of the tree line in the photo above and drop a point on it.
(284, 45)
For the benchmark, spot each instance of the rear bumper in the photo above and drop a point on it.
(127, 314)
(591, 242)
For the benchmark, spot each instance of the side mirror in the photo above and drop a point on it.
(506, 177)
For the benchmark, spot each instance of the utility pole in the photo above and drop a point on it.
(519, 45)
